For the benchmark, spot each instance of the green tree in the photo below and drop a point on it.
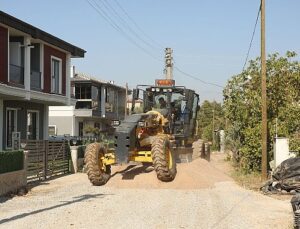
(242, 107)
(211, 120)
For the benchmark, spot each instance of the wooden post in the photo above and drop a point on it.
(126, 98)
(263, 94)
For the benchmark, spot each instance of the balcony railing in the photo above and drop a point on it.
(35, 80)
(83, 105)
(16, 74)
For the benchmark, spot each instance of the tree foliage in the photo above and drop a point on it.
(92, 130)
(242, 107)
(210, 117)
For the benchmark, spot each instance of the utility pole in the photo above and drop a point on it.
(263, 93)
(168, 64)
(213, 127)
(126, 99)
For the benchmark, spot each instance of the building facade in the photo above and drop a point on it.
(98, 103)
(34, 74)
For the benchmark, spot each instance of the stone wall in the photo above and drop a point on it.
(12, 181)
(77, 163)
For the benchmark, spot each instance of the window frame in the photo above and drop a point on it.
(55, 129)
(16, 124)
(59, 76)
(37, 123)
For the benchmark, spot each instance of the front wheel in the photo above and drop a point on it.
(97, 172)
(163, 159)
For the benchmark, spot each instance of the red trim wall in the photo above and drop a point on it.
(3, 54)
(48, 52)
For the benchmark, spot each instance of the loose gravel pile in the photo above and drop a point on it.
(194, 175)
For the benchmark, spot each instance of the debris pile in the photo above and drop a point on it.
(285, 178)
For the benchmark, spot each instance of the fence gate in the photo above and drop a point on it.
(57, 158)
(46, 159)
(35, 159)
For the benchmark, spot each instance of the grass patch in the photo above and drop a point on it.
(252, 181)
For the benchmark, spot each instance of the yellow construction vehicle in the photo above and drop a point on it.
(165, 128)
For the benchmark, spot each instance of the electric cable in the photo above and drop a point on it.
(251, 41)
(112, 11)
(137, 26)
(108, 19)
(196, 78)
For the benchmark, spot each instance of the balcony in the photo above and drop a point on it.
(84, 104)
(35, 80)
(16, 74)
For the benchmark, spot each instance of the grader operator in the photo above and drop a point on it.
(165, 126)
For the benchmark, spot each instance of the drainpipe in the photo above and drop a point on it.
(102, 102)
(27, 50)
(46, 122)
(1, 124)
(68, 76)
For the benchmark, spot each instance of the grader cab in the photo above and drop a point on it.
(154, 133)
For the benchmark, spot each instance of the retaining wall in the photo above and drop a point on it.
(12, 181)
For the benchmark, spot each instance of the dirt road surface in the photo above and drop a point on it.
(202, 196)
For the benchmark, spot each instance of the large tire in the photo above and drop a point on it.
(97, 173)
(163, 159)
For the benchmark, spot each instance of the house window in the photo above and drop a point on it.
(56, 77)
(80, 129)
(32, 125)
(83, 92)
(16, 63)
(106, 94)
(11, 125)
(52, 130)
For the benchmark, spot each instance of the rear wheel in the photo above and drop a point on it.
(163, 159)
(97, 172)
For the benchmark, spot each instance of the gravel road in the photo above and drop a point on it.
(202, 196)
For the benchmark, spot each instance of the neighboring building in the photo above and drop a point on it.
(98, 103)
(138, 105)
(34, 74)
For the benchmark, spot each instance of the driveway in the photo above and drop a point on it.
(202, 196)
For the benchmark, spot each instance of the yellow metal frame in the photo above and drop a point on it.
(108, 159)
(169, 158)
(141, 156)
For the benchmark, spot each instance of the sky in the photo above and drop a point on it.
(125, 39)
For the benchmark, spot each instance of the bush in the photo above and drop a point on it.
(242, 108)
(11, 161)
(80, 151)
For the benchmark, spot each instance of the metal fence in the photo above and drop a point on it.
(16, 74)
(46, 159)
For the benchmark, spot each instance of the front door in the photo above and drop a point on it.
(33, 125)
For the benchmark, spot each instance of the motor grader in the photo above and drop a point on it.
(155, 132)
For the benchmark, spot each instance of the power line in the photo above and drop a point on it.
(136, 25)
(113, 24)
(116, 26)
(253, 34)
(112, 11)
(196, 78)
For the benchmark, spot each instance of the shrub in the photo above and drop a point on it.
(80, 151)
(11, 161)
(242, 107)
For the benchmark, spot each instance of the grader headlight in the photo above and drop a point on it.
(142, 124)
(115, 123)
